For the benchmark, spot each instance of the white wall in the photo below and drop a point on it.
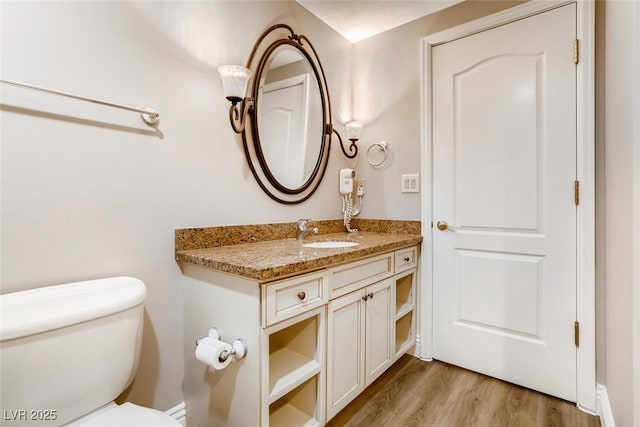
(90, 191)
(616, 136)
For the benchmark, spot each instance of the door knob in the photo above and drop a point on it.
(442, 225)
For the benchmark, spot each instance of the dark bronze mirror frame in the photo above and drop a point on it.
(274, 37)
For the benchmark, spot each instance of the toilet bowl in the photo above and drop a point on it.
(67, 351)
(125, 415)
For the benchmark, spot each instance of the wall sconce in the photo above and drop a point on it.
(234, 86)
(354, 129)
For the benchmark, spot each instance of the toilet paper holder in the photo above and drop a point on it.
(238, 346)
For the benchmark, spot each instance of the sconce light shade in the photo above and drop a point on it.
(234, 81)
(354, 129)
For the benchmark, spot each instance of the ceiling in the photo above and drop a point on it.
(357, 20)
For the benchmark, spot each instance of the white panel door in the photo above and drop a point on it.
(504, 166)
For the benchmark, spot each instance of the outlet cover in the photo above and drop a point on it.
(410, 183)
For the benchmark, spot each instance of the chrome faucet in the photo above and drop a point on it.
(303, 230)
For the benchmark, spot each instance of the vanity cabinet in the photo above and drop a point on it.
(315, 340)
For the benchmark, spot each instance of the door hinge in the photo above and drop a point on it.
(576, 51)
(576, 192)
(576, 331)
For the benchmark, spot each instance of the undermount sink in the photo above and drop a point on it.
(330, 244)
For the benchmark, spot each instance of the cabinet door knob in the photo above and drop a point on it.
(366, 297)
(370, 295)
(301, 295)
(407, 259)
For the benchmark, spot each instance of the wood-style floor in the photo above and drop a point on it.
(436, 394)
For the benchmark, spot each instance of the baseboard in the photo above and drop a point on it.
(179, 413)
(604, 407)
(419, 350)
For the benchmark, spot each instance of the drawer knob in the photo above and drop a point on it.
(302, 295)
(407, 259)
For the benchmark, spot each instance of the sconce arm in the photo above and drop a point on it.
(238, 114)
(353, 148)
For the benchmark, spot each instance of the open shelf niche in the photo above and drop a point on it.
(299, 407)
(295, 353)
(405, 317)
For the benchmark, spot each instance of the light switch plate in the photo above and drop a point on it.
(410, 183)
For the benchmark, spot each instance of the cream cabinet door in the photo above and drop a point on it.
(359, 342)
(345, 350)
(379, 321)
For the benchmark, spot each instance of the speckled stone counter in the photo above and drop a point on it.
(269, 257)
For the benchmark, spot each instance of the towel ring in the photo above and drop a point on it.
(382, 146)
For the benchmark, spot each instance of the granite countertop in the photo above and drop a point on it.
(274, 259)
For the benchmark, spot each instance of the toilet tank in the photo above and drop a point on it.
(69, 349)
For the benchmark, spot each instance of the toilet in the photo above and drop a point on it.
(67, 351)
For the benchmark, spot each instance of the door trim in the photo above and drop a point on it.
(636, 215)
(585, 268)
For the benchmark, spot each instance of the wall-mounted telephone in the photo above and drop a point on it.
(349, 210)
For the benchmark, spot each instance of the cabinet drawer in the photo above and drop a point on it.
(352, 276)
(406, 258)
(287, 298)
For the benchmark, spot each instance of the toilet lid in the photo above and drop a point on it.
(130, 415)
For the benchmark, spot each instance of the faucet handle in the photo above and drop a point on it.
(302, 223)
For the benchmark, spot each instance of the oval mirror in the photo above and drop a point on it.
(286, 141)
(289, 117)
